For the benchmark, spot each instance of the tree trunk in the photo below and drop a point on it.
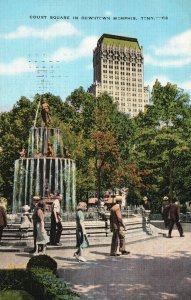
(170, 177)
(98, 183)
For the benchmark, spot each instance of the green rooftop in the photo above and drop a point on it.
(119, 41)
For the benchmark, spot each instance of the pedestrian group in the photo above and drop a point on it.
(170, 211)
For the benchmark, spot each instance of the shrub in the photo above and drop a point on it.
(42, 261)
(15, 279)
(46, 286)
(15, 295)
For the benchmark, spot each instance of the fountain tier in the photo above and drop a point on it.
(44, 173)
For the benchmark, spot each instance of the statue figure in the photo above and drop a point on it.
(66, 152)
(26, 220)
(38, 154)
(50, 150)
(23, 152)
(45, 112)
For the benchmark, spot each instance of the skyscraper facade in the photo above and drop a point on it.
(118, 64)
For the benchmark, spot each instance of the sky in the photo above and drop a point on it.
(47, 45)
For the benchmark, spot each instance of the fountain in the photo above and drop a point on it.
(43, 171)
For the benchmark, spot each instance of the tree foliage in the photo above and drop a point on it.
(149, 154)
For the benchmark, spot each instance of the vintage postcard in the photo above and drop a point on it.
(95, 125)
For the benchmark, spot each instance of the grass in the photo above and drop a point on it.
(15, 295)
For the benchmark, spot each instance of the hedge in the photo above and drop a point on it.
(13, 279)
(42, 261)
(46, 286)
(38, 279)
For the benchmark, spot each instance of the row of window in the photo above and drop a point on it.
(116, 62)
(123, 88)
(122, 73)
(122, 82)
(121, 67)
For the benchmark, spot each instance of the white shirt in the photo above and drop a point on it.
(56, 206)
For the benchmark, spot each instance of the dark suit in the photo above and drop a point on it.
(117, 226)
(174, 219)
(3, 220)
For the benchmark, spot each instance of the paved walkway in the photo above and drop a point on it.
(156, 269)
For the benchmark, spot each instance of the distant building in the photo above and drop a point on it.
(119, 70)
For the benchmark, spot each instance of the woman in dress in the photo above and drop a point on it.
(42, 237)
(81, 238)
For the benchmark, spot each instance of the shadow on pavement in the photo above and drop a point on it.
(132, 277)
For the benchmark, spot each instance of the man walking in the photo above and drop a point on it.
(174, 219)
(118, 228)
(56, 225)
(3, 218)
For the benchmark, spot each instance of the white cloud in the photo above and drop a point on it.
(176, 46)
(176, 52)
(161, 78)
(61, 28)
(84, 49)
(17, 66)
(178, 62)
(108, 13)
(186, 85)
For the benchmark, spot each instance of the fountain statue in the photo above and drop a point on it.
(43, 172)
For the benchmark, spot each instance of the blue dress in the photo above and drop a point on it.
(81, 239)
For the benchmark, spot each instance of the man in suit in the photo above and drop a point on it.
(118, 228)
(3, 219)
(56, 223)
(165, 211)
(174, 219)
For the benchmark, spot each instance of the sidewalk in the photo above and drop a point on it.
(156, 269)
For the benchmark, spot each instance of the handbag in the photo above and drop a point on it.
(85, 243)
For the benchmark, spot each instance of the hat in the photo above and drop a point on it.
(81, 205)
(165, 198)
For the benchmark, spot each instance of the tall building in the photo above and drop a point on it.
(119, 70)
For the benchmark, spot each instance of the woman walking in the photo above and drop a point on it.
(81, 238)
(42, 237)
